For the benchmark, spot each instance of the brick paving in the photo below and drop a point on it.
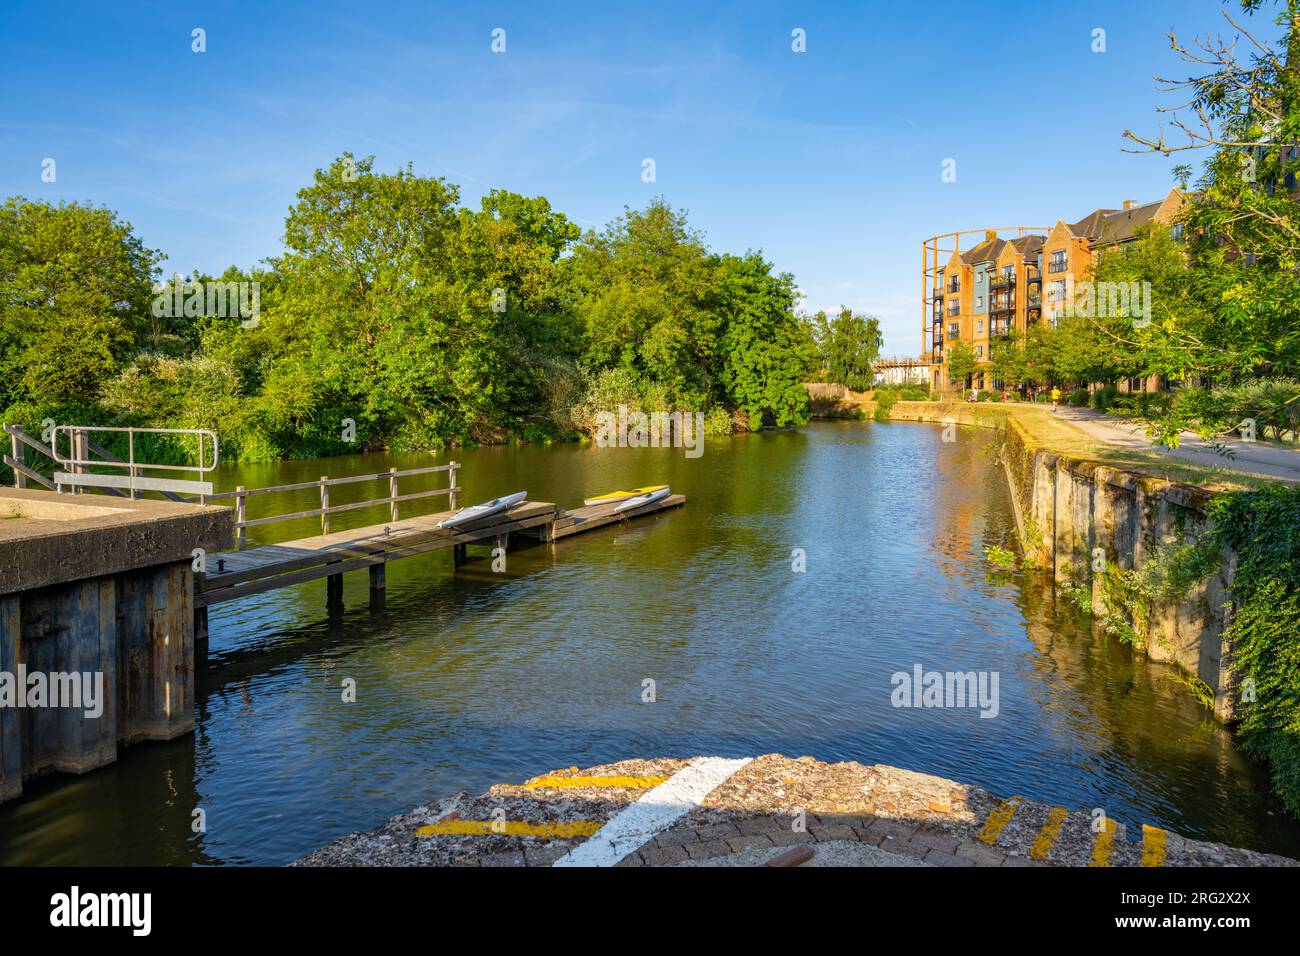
(769, 805)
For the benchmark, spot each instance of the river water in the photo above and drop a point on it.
(472, 678)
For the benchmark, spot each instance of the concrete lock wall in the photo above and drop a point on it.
(1067, 509)
(105, 591)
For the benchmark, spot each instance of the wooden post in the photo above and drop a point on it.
(451, 497)
(20, 480)
(377, 577)
(334, 589)
(80, 452)
(325, 504)
(11, 738)
(241, 515)
(458, 555)
(72, 628)
(200, 631)
(130, 457)
(392, 494)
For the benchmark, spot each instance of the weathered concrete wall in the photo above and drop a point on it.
(1078, 517)
(102, 587)
(1066, 508)
(70, 537)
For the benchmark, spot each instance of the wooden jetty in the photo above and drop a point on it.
(239, 574)
(117, 587)
(591, 517)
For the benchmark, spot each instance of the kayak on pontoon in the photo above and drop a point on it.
(640, 501)
(614, 496)
(485, 510)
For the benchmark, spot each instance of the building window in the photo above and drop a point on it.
(1009, 271)
(979, 351)
(979, 326)
(979, 301)
(1058, 261)
(953, 328)
(1057, 293)
(1178, 232)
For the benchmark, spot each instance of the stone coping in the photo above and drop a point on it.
(771, 803)
(65, 537)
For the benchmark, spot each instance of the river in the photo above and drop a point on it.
(472, 678)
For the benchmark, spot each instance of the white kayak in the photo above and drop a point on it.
(486, 510)
(640, 501)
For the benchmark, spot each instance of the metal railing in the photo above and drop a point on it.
(81, 448)
(241, 495)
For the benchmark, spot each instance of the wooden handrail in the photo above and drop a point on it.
(24, 473)
(242, 494)
(303, 485)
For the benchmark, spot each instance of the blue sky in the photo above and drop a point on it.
(829, 161)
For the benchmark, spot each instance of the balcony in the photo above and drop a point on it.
(1002, 282)
(938, 353)
(954, 286)
(938, 294)
(1000, 328)
(1002, 305)
(1058, 266)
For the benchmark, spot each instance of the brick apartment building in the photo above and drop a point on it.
(1000, 286)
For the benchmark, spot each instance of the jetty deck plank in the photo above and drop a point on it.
(597, 516)
(236, 574)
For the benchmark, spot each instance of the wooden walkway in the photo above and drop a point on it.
(592, 517)
(237, 574)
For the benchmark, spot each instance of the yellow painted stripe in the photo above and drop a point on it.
(563, 782)
(1105, 841)
(1153, 846)
(999, 817)
(1048, 834)
(561, 831)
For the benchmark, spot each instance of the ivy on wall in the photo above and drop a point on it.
(1263, 527)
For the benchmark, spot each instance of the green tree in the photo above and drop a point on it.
(1228, 316)
(849, 345)
(961, 361)
(75, 295)
(1007, 360)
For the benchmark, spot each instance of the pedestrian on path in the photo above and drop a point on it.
(1056, 397)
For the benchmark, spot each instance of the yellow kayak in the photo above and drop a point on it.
(615, 496)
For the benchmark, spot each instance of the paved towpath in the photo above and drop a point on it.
(1256, 458)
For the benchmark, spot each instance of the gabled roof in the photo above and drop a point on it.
(1090, 226)
(1107, 226)
(1122, 226)
(986, 251)
(1028, 245)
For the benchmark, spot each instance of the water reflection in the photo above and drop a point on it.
(470, 678)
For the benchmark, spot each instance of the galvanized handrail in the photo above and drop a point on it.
(79, 461)
(131, 432)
